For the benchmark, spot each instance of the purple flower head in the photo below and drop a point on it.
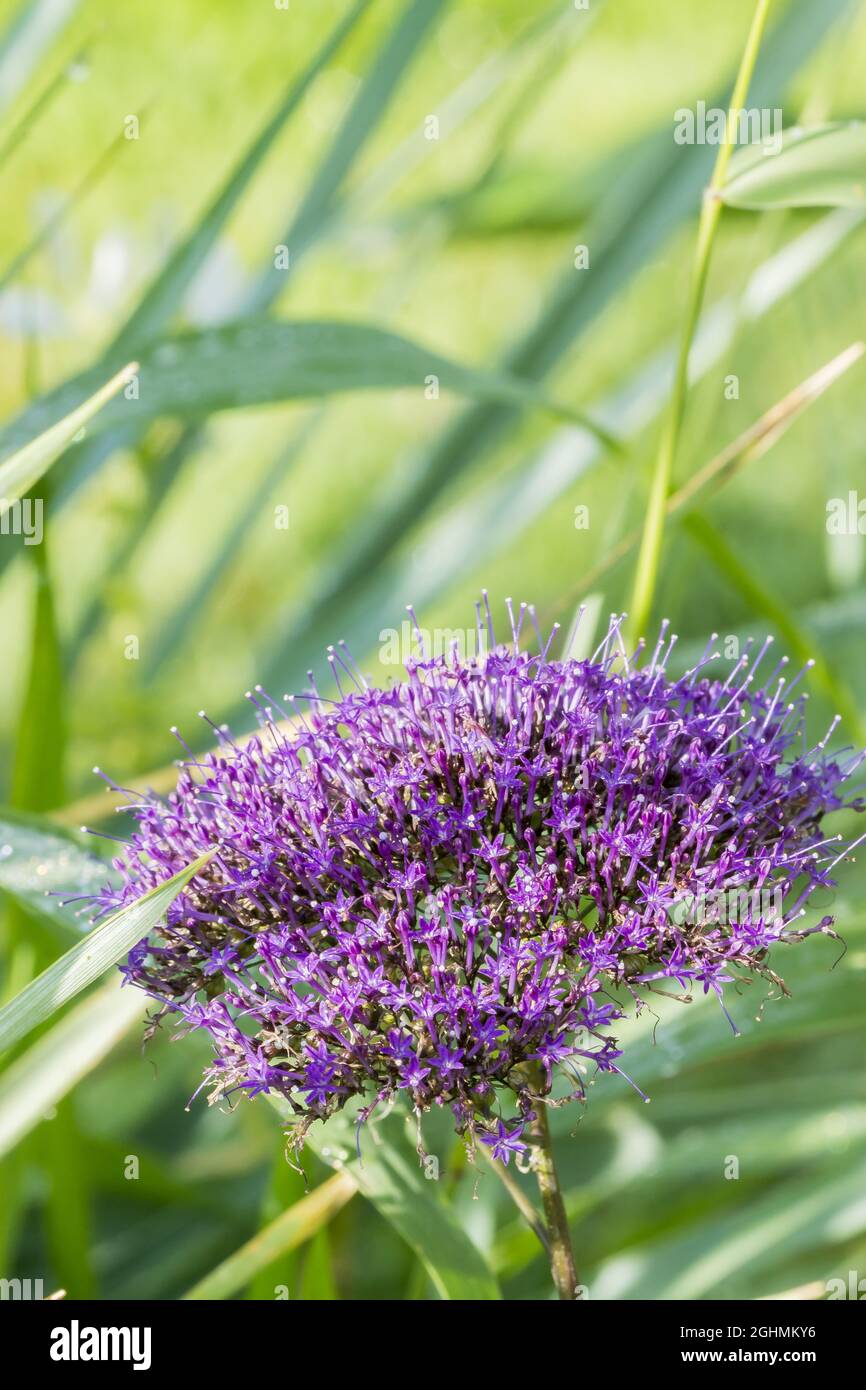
(446, 888)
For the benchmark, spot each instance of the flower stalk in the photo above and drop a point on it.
(650, 549)
(562, 1265)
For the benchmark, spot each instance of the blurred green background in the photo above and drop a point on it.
(435, 179)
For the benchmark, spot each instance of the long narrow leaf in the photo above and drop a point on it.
(500, 512)
(23, 469)
(159, 302)
(407, 1200)
(749, 446)
(50, 228)
(38, 780)
(90, 958)
(35, 25)
(311, 219)
(48, 1071)
(508, 507)
(746, 581)
(299, 1223)
(263, 362)
(820, 166)
(30, 117)
(171, 635)
(387, 71)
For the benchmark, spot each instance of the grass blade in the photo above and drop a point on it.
(34, 26)
(318, 1284)
(48, 1071)
(483, 83)
(380, 83)
(263, 362)
(506, 515)
(361, 120)
(790, 1217)
(821, 166)
(299, 1223)
(37, 783)
(751, 445)
(743, 578)
(38, 779)
(39, 106)
(406, 1199)
(659, 189)
(548, 32)
(159, 302)
(748, 447)
(23, 469)
(51, 226)
(286, 1186)
(473, 529)
(90, 958)
(173, 632)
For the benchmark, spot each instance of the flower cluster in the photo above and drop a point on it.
(446, 888)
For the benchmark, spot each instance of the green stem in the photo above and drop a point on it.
(559, 1237)
(518, 1197)
(648, 558)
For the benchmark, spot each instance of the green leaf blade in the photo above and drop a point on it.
(297, 1224)
(399, 1192)
(25, 467)
(264, 362)
(90, 958)
(48, 1071)
(818, 166)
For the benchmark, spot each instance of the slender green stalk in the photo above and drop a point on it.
(559, 1237)
(518, 1197)
(653, 533)
(748, 447)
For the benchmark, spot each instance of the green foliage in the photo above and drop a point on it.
(22, 470)
(387, 1173)
(816, 166)
(260, 362)
(45, 869)
(299, 1222)
(89, 958)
